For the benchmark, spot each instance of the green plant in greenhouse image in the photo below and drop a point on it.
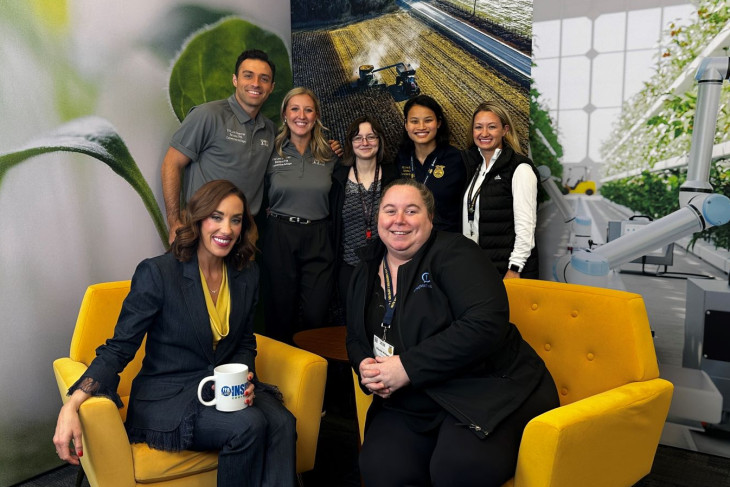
(544, 144)
(656, 126)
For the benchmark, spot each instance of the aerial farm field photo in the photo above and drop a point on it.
(373, 65)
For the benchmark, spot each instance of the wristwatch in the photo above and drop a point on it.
(515, 268)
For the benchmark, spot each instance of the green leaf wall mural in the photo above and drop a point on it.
(95, 137)
(202, 72)
(197, 76)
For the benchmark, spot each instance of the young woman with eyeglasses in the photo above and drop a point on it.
(357, 182)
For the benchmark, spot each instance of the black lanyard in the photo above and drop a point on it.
(472, 198)
(428, 173)
(390, 297)
(368, 212)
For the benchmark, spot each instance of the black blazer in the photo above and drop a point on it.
(166, 303)
(452, 317)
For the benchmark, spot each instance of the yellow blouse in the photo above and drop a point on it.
(220, 311)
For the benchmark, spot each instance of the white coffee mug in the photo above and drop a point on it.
(231, 381)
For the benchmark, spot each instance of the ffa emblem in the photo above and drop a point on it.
(438, 171)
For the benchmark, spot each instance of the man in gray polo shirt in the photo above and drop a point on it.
(223, 139)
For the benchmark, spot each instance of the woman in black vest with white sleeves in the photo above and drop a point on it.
(499, 210)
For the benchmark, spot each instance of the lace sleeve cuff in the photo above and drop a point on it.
(95, 388)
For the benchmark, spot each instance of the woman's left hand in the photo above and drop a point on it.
(390, 373)
(249, 390)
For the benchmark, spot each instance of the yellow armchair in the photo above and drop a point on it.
(110, 461)
(598, 347)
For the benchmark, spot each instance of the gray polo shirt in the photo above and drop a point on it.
(224, 142)
(298, 184)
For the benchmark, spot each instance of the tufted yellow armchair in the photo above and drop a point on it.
(110, 461)
(598, 347)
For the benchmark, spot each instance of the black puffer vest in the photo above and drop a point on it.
(496, 217)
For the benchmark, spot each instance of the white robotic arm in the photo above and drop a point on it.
(701, 209)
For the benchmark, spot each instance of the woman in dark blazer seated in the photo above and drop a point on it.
(428, 333)
(196, 306)
(357, 182)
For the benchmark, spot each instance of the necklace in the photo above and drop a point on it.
(367, 210)
(213, 292)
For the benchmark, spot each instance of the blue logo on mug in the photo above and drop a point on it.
(235, 391)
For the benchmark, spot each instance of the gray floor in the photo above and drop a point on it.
(664, 297)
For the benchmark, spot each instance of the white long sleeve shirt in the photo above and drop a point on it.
(524, 208)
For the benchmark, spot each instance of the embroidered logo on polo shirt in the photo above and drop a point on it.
(497, 177)
(264, 142)
(236, 136)
(280, 162)
(426, 282)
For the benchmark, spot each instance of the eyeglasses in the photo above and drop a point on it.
(359, 139)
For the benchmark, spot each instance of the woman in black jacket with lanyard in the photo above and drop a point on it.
(428, 333)
(499, 209)
(357, 183)
(195, 305)
(426, 155)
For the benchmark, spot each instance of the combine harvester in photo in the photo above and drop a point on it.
(405, 78)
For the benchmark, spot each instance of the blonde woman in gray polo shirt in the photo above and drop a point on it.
(297, 252)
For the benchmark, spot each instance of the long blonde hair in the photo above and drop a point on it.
(505, 119)
(318, 145)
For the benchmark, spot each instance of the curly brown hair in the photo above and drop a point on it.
(203, 203)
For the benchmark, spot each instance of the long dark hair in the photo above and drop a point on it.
(348, 159)
(203, 203)
(443, 135)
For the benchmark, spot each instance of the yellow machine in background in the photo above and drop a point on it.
(582, 184)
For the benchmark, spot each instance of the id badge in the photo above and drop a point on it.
(381, 348)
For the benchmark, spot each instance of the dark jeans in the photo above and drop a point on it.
(449, 455)
(257, 445)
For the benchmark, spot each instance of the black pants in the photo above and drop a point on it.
(450, 455)
(343, 282)
(298, 266)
